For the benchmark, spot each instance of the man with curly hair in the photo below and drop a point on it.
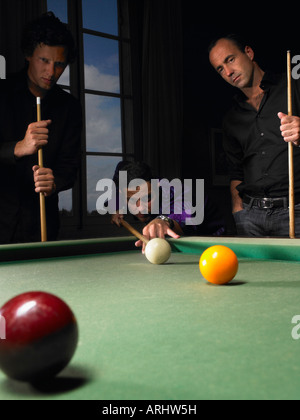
(48, 48)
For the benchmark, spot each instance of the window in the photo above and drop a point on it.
(103, 83)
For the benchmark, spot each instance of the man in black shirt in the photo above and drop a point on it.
(48, 48)
(256, 132)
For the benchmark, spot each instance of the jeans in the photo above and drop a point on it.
(256, 222)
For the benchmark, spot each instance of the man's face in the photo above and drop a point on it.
(46, 65)
(142, 199)
(232, 64)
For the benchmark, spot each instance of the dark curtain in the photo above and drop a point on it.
(14, 14)
(160, 59)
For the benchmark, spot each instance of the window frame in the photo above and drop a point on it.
(81, 224)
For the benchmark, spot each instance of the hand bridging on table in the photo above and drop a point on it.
(156, 229)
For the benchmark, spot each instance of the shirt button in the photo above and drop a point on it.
(262, 134)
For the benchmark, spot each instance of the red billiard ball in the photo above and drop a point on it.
(218, 264)
(41, 335)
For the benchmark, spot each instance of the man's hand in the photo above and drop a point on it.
(43, 180)
(116, 219)
(36, 137)
(237, 202)
(156, 229)
(290, 128)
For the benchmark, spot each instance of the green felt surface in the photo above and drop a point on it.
(163, 332)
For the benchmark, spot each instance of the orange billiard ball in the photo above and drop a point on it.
(218, 264)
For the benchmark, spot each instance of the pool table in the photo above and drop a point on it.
(163, 332)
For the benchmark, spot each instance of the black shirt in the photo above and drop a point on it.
(257, 154)
(19, 204)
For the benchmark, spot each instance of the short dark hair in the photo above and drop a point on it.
(134, 170)
(238, 40)
(48, 30)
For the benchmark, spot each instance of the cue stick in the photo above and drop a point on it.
(291, 152)
(42, 196)
(134, 231)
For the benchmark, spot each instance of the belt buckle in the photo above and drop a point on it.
(266, 203)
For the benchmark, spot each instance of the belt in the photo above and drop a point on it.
(266, 203)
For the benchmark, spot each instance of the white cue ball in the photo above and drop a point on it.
(158, 251)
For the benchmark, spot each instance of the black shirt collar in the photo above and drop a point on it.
(19, 83)
(269, 79)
